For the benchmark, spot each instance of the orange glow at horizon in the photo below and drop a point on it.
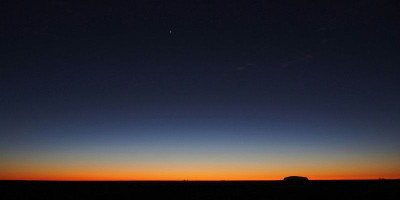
(236, 164)
(176, 174)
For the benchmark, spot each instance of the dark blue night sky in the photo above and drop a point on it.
(251, 90)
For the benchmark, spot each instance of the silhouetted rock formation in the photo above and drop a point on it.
(295, 179)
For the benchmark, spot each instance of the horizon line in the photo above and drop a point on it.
(187, 180)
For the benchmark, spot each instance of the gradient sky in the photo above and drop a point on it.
(199, 90)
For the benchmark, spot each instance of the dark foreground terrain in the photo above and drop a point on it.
(382, 189)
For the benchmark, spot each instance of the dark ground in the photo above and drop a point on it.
(379, 189)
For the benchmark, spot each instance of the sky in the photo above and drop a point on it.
(199, 90)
